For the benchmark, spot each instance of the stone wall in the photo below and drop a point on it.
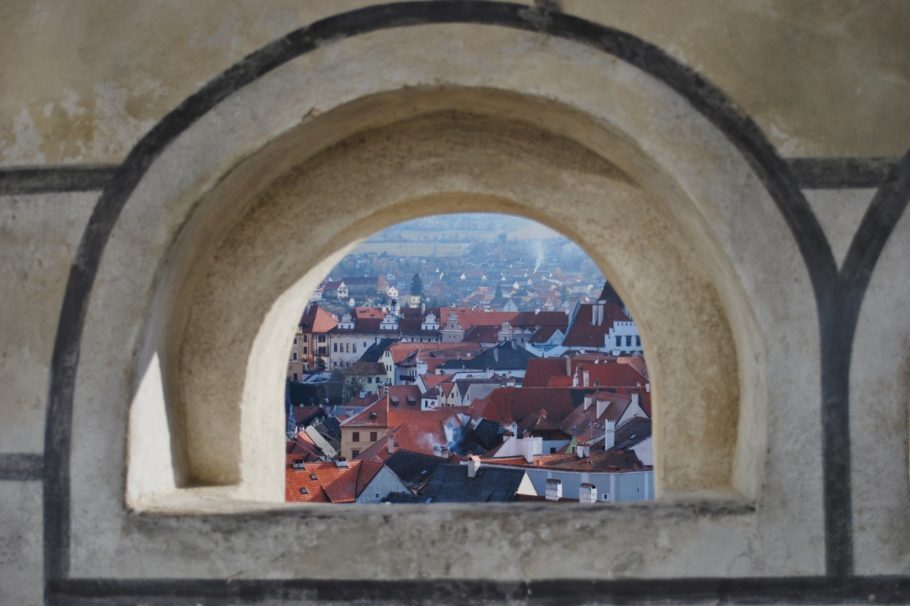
(751, 154)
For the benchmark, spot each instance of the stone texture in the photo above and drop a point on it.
(839, 212)
(39, 235)
(21, 581)
(794, 67)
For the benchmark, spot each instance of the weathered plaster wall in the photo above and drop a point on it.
(83, 82)
(109, 71)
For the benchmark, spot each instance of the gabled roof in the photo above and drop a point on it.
(328, 482)
(582, 333)
(317, 320)
(543, 334)
(432, 381)
(374, 352)
(451, 484)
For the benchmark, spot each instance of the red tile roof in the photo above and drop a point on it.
(508, 404)
(327, 482)
(317, 320)
(540, 370)
(482, 334)
(609, 374)
(432, 381)
(583, 333)
(476, 317)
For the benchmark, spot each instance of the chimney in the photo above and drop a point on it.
(647, 388)
(389, 443)
(582, 451)
(385, 390)
(473, 465)
(554, 489)
(495, 353)
(609, 434)
(587, 493)
(531, 447)
(586, 378)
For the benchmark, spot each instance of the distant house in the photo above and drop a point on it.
(505, 359)
(593, 476)
(340, 482)
(604, 325)
(310, 344)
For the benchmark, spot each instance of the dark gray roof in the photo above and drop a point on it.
(505, 356)
(487, 434)
(413, 468)
(451, 484)
(631, 433)
(374, 352)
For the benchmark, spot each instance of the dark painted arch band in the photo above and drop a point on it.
(703, 96)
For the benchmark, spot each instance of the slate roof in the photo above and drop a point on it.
(413, 468)
(487, 434)
(451, 484)
(374, 352)
(631, 433)
(505, 356)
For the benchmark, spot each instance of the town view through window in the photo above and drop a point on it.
(467, 358)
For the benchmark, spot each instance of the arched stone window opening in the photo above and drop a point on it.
(212, 359)
(467, 358)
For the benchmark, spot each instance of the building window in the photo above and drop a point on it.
(294, 356)
(295, 340)
(618, 341)
(629, 341)
(303, 490)
(305, 338)
(374, 436)
(321, 338)
(335, 347)
(355, 437)
(304, 350)
(295, 376)
(354, 346)
(355, 453)
(638, 341)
